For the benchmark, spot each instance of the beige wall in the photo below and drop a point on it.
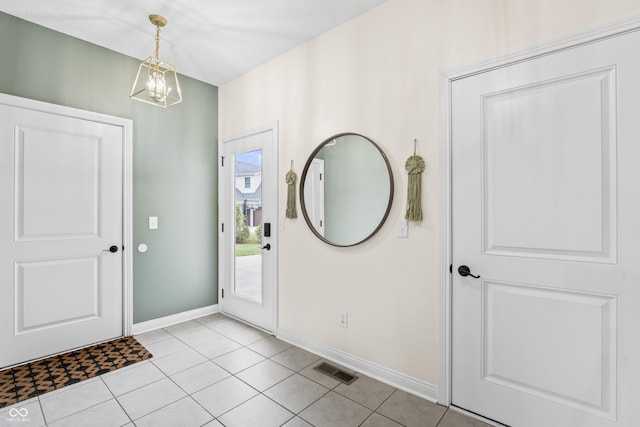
(378, 75)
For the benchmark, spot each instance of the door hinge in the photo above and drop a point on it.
(450, 268)
(320, 177)
(222, 227)
(222, 292)
(222, 161)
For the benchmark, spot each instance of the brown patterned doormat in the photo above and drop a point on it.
(35, 378)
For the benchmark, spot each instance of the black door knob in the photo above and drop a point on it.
(465, 271)
(267, 246)
(113, 249)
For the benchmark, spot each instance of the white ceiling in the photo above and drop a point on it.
(209, 40)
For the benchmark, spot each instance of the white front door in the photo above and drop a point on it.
(249, 225)
(546, 211)
(61, 212)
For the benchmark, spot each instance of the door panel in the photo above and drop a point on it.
(60, 286)
(559, 162)
(520, 324)
(71, 200)
(43, 288)
(248, 201)
(545, 210)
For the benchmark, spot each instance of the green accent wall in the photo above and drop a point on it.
(175, 155)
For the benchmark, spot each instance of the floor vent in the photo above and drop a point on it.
(336, 373)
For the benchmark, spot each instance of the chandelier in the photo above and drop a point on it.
(157, 81)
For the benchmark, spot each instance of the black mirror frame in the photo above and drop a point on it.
(304, 176)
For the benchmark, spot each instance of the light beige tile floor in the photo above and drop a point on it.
(214, 372)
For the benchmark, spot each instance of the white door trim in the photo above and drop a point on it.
(446, 81)
(222, 273)
(127, 182)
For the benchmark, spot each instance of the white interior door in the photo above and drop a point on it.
(248, 204)
(546, 210)
(314, 194)
(61, 186)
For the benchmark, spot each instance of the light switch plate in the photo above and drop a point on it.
(403, 228)
(153, 223)
(344, 319)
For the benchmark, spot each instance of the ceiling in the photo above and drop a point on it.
(209, 40)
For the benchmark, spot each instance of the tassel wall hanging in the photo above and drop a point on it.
(415, 166)
(290, 179)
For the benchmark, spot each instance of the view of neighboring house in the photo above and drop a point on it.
(249, 191)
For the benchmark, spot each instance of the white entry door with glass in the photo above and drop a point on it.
(248, 216)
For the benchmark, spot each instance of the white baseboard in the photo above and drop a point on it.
(380, 373)
(393, 378)
(163, 322)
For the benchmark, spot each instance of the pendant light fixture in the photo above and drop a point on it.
(157, 81)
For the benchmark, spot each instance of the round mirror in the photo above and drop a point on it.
(346, 189)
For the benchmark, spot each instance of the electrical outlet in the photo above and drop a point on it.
(344, 319)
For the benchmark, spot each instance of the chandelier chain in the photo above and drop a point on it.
(157, 41)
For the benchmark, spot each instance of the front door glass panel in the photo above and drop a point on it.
(248, 225)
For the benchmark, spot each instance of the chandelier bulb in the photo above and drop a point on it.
(157, 87)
